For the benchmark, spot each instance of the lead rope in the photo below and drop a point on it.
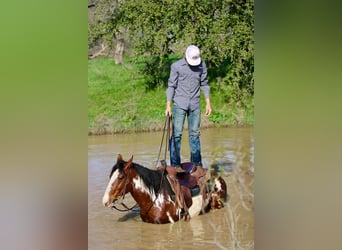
(163, 162)
(167, 122)
(167, 142)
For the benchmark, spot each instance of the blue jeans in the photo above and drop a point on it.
(194, 122)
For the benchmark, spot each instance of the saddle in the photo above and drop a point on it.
(187, 184)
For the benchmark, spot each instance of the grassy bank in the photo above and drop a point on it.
(119, 102)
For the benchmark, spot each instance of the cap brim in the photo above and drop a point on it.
(195, 62)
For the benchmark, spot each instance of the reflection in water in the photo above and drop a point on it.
(230, 150)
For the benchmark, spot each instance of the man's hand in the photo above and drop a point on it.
(168, 111)
(208, 109)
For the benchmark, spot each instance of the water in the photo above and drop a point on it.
(230, 149)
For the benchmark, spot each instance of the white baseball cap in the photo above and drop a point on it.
(192, 55)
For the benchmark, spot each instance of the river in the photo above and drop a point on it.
(232, 227)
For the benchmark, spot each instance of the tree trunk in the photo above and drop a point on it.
(119, 51)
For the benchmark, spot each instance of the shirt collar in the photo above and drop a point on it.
(184, 62)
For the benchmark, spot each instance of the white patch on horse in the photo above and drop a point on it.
(218, 184)
(170, 218)
(159, 201)
(105, 198)
(196, 207)
(140, 185)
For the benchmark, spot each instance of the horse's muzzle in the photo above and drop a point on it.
(108, 203)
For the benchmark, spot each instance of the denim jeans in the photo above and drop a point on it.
(194, 121)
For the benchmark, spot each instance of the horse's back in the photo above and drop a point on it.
(206, 196)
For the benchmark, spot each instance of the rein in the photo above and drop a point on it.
(126, 208)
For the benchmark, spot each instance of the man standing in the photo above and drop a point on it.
(188, 75)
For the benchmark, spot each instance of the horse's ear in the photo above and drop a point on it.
(130, 160)
(119, 157)
(129, 163)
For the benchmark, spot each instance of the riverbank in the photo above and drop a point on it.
(118, 102)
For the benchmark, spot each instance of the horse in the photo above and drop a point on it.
(160, 196)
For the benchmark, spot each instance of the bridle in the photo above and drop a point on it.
(122, 197)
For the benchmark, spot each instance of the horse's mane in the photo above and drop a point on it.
(151, 178)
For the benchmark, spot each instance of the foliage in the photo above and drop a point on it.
(223, 29)
(103, 23)
(159, 31)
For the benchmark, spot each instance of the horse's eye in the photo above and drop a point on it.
(121, 176)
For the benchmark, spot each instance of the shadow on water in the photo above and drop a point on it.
(130, 215)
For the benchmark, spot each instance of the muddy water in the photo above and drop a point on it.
(231, 149)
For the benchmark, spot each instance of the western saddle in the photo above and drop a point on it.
(185, 185)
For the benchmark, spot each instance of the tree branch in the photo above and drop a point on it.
(99, 53)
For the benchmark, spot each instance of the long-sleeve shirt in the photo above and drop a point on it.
(184, 84)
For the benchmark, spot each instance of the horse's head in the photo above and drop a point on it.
(119, 183)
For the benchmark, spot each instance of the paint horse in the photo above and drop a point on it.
(159, 194)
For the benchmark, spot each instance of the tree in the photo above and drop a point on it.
(104, 29)
(223, 29)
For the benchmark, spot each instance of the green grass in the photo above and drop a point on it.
(119, 102)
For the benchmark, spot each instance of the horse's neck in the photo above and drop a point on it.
(145, 200)
(141, 197)
(141, 192)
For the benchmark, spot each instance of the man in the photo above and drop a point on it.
(187, 76)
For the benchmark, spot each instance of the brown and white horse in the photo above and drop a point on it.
(155, 195)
